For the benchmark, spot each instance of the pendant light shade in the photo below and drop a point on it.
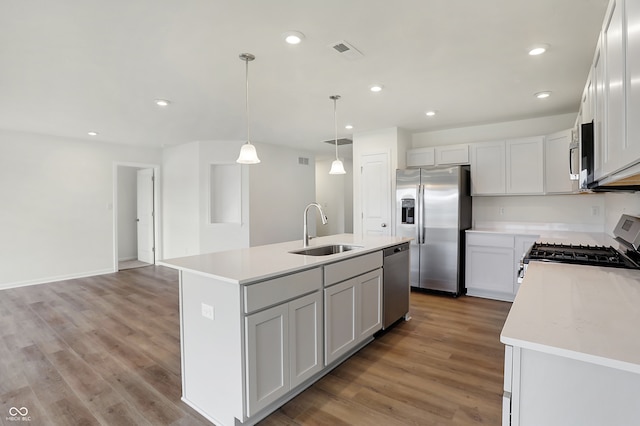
(248, 154)
(337, 168)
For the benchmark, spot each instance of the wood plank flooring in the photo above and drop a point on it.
(105, 350)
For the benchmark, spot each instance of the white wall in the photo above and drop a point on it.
(556, 211)
(335, 194)
(280, 189)
(180, 200)
(274, 195)
(127, 213)
(618, 203)
(488, 132)
(221, 236)
(56, 220)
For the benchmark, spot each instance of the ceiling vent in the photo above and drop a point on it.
(343, 141)
(346, 50)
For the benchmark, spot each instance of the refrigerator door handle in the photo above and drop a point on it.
(417, 214)
(420, 215)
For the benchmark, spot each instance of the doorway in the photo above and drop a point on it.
(135, 218)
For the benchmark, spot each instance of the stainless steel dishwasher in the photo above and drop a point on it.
(396, 288)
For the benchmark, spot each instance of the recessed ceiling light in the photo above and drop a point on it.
(538, 49)
(293, 37)
(92, 133)
(430, 113)
(376, 88)
(162, 102)
(348, 127)
(542, 95)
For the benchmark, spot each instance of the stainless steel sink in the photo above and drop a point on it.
(325, 250)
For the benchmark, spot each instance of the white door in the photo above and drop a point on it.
(145, 216)
(376, 194)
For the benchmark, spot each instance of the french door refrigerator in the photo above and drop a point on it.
(433, 206)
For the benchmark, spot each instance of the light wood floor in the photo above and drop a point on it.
(105, 350)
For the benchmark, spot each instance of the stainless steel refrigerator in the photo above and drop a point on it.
(433, 206)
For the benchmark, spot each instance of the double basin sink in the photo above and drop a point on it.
(325, 250)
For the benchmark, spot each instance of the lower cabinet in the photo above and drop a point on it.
(353, 312)
(284, 348)
(492, 263)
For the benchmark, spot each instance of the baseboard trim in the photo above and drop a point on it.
(5, 286)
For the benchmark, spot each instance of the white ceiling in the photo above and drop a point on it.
(68, 67)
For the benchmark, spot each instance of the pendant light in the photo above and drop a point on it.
(337, 168)
(248, 154)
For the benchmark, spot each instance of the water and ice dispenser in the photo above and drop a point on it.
(408, 211)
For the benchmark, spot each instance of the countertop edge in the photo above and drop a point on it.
(370, 245)
(566, 353)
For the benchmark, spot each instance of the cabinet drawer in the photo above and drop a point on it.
(340, 271)
(278, 290)
(490, 240)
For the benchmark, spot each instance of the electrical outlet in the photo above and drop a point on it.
(207, 311)
(501, 211)
(595, 211)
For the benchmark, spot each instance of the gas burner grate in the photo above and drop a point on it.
(579, 254)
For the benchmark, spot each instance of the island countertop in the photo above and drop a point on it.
(586, 313)
(243, 266)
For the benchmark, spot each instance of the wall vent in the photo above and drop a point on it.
(303, 161)
(346, 50)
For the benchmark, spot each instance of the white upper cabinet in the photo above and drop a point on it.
(557, 166)
(632, 145)
(525, 165)
(488, 168)
(438, 156)
(452, 154)
(614, 87)
(420, 157)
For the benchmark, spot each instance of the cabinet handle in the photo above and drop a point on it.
(384, 225)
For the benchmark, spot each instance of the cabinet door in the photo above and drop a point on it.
(369, 304)
(613, 44)
(490, 271)
(419, 157)
(599, 133)
(267, 349)
(488, 168)
(632, 146)
(557, 164)
(340, 319)
(525, 166)
(452, 154)
(305, 337)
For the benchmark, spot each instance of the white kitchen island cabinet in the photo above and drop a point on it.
(353, 303)
(572, 354)
(253, 322)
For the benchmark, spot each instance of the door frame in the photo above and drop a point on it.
(157, 236)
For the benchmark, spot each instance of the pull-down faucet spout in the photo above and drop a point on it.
(305, 229)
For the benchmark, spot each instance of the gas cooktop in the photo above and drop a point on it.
(580, 255)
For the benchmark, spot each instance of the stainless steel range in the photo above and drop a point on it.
(627, 233)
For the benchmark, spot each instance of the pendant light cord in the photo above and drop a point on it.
(335, 121)
(246, 61)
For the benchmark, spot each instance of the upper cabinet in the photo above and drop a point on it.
(488, 168)
(438, 156)
(513, 167)
(557, 164)
(612, 92)
(632, 82)
(525, 165)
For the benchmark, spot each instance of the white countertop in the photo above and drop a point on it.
(586, 313)
(252, 264)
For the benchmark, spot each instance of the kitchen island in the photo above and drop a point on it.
(573, 347)
(259, 325)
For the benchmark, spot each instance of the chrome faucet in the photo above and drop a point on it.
(305, 229)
